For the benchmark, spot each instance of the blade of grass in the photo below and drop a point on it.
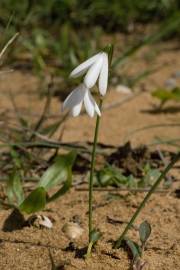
(19, 117)
(45, 110)
(165, 29)
(8, 44)
(153, 188)
(171, 142)
(163, 125)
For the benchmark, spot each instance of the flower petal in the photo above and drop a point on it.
(76, 96)
(103, 77)
(97, 110)
(76, 109)
(93, 73)
(82, 68)
(88, 104)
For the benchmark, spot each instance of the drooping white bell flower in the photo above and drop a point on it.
(96, 67)
(75, 100)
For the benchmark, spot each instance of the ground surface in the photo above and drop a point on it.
(33, 248)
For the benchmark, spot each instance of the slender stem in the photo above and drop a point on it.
(109, 50)
(88, 254)
(92, 170)
(129, 225)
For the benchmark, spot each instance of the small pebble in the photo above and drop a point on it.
(40, 221)
(123, 89)
(72, 230)
(170, 83)
(177, 74)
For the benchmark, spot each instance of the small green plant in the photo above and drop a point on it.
(120, 239)
(60, 173)
(137, 250)
(95, 235)
(113, 176)
(96, 69)
(144, 233)
(165, 95)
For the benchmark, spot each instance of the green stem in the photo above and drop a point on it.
(88, 254)
(129, 225)
(109, 50)
(92, 171)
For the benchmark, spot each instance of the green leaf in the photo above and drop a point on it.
(16, 158)
(35, 201)
(63, 189)
(14, 189)
(95, 235)
(23, 122)
(115, 196)
(59, 171)
(151, 175)
(165, 95)
(110, 176)
(144, 231)
(135, 249)
(51, 129)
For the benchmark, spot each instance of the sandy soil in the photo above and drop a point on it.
(33, 248)
(30, 248)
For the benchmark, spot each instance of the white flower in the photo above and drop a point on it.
(96, 66)
(78, 96)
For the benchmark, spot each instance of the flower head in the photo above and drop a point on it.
(96, 67)
(75, 100)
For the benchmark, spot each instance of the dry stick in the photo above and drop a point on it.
(44, 144)
(33, 114)
(121, 102)
(160, 178)
(161, 125)
(19, 241)
(6, 71)
(21, 147)
(123, 189)
(50, 143)
(36, 133)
